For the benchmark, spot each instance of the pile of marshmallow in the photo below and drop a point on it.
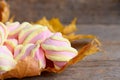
(17, 41)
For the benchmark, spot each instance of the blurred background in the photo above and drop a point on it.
(86, 11)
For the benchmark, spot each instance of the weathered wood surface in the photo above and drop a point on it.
(87, 11)
(101, 66)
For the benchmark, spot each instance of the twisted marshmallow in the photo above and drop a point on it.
(6, 60)
(33, 50)
(11, 44)
(15, 28)
(34, 34)
(58, 50)
(3, 33)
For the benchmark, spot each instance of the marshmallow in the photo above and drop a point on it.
(15, 27)
(3, 33)
(6, 60)
(33, 50)
(34, 34)
(58, 50)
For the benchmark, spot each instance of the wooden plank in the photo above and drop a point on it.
(93, 11)
(107, 33)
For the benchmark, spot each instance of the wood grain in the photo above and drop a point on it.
(86, 11)
(101, 66)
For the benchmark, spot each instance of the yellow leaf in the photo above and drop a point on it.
(11, 19)
(73, 36)
(70, 28)
(24, 68)
(4, 11)
(56, 24)
(91, 48)
(45, 22)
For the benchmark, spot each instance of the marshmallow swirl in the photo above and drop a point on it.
(58, 50)
(11, 44)
(3, 33)
(15, 28)
(6, 60)
(33, 50)
(34, 34)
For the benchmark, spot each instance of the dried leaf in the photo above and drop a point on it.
(89, 49)
(45, 22)
(11, 19)
(56, 24)
(73, 37)
(24, 68)
(4, 11)
(70, 28)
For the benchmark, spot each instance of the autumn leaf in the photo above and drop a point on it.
(24, 68)
(4, 11)
(73, 36)
(56, 24)
(11, 19)
(45, 22)
(70, 28)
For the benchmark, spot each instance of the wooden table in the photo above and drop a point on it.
(86, 11)
(101, 66)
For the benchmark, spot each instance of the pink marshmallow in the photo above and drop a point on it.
(58, 50)
(34, 34)
(11, 44)
(15, 28)
(33, 50)
(3, 33)
(6, 60)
